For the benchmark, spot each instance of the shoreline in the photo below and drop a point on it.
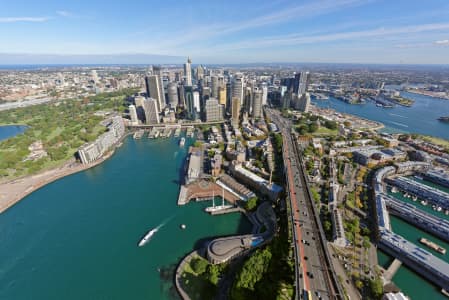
(15, 190)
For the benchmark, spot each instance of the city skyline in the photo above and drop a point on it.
(343, 31)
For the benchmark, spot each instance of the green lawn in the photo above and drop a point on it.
(323, 131)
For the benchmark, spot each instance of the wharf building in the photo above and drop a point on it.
(418, 217)
(421, 191)
(194, 168)
(421, 261)
(437, 176)
(90, 152)
(254, 181)
(416, 258)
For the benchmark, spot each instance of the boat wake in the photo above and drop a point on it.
(153, 231)
(399, 124)
(396, 115)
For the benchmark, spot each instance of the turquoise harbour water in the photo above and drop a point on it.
(77, 237)
(420, 118)
(8, 131)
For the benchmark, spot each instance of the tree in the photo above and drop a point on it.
(376, 287)
(251, 204)
(199, 265)
(213, 274)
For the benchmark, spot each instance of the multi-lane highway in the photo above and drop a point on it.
(314, 274)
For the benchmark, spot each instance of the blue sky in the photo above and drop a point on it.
(351, 31)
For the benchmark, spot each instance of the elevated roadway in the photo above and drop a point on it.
(314, 270)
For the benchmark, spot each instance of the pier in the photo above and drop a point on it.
(419, 218)
(391, 271)
(422, 191)
(421, 261)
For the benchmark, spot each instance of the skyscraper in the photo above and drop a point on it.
(188, 71)
(138, 102)
(247, 101)
(172, 93)
(133, 115)
(199, 72)
(214, 86)
(235, 112)
(257, 104)
(196, 102)
(301, 82)
(222, 95)
(155, 90)
(264, 89)
(304, 102)
(213, 111)
(237, 89)
(190, 104)
(151, 111)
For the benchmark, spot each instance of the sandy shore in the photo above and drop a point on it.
(15, 190)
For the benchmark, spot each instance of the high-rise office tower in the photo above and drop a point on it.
(237, 89)
(182, 96)
(301, 82)
(214, 86)
(257, 104)
(133, 115)
(155, 90)
(138, 102)
(151, 111)
(213, 111)
(286, 100)
(247, 101)
(156, 70)
(235, 112)
(228, 96)
(199, 72)
(188, 71)
(172, 93)
(196, 102)
(222, 95)
(190, 104)
(304, 102)
(264, 89)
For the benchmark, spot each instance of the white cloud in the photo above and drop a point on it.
(442, 42)
(23, 19)
(360, 36)
(64, 13)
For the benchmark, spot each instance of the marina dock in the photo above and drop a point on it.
(408, 212)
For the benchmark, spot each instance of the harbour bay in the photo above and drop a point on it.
(77, 238)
